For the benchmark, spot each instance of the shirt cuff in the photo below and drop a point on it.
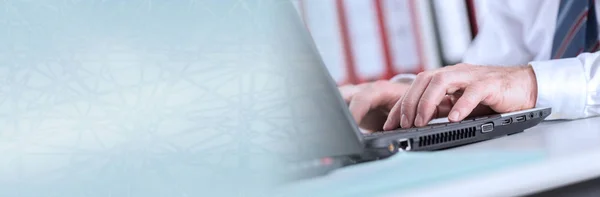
(561, 85)
(404, 78)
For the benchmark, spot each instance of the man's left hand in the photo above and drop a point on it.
(503, 89)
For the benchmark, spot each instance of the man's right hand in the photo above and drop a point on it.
(370, 103)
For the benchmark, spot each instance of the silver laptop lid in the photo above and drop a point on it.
(154, 96)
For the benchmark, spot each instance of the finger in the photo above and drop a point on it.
(363, 102)
(471, 97)
(348, 91)
(392, 121)
(441, 84)
(443, 109)
(408, 104)
(359, 106)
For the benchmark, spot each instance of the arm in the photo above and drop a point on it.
(567, 85)
(570, 86)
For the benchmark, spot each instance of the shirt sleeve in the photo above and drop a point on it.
(570, 86)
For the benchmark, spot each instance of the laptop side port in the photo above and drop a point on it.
(520, 118)
(507, 121)
(487, 127)
(404, 144)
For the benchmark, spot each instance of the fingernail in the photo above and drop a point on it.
(386, 125)
(419, 120)
(404, 122)
(454, 116)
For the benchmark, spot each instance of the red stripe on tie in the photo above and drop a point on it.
(595, 47)
(571, 34)
(472, 17)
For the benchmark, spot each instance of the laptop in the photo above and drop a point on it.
(438, 135)
(161, 97)
(358, 147)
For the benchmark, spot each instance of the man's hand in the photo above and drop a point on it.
(503, 89)
(370, 103)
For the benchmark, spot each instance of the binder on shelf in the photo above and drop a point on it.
(454, 28)
(366, 40)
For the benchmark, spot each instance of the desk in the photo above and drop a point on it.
(550, 155)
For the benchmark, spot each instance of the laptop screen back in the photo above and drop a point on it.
(115, 89)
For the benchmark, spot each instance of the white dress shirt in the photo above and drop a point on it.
(521, 32)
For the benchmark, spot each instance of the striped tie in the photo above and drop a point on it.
(576, 29)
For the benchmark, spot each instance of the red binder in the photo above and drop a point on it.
(366, 40)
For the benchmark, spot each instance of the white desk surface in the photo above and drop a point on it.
(549, 155)
(572, 150)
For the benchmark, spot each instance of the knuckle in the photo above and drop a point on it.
(440, 79)
(478, 86)
(377, 95)
(361, 97)
(471, 99)
(347, 88)
(359, 86)
(486, 85)
(423, 75)
(425, 104)
(407, 104)
(426, 101)
(347, 92)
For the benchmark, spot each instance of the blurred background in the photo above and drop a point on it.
(366, 40)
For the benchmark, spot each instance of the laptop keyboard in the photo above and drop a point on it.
(435, 124)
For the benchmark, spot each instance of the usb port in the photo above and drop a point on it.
(520, 119)
(507, 121)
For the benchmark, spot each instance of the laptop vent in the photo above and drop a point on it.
(448, 136)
